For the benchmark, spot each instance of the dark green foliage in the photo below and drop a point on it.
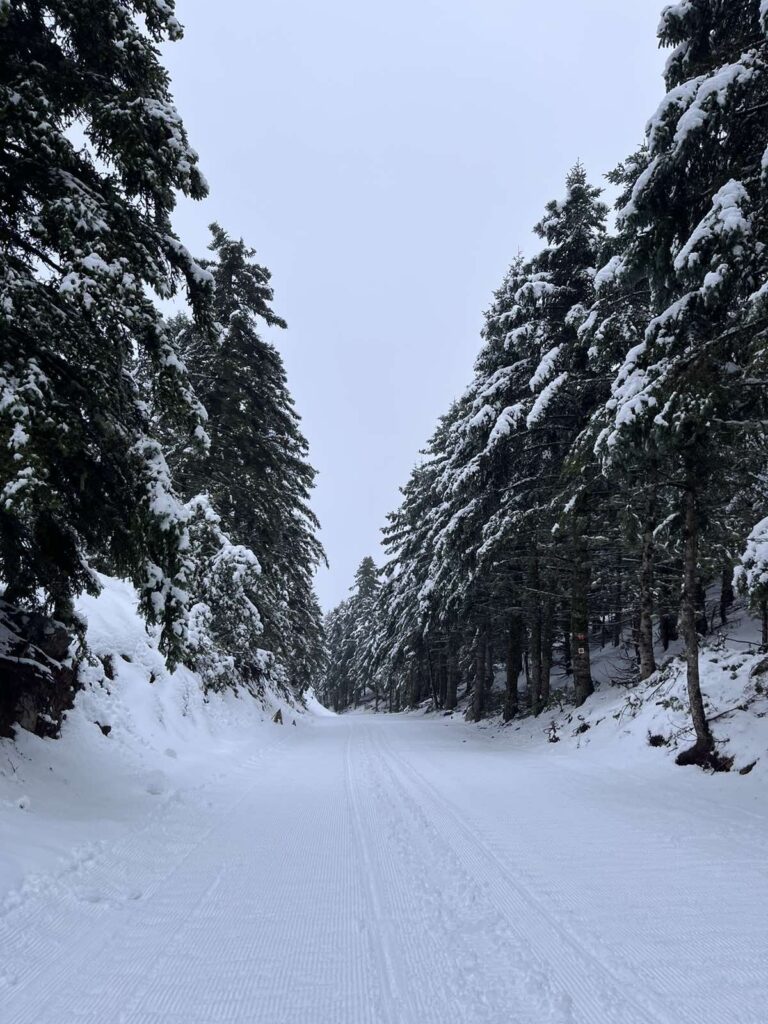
(608, 461)
(255, 471)
(103, 426)
(93, 155)
(349, 676)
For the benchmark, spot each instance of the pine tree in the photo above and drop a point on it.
(225, 624)
(532, 393)
(697, 222)
(93, 156)
(255, 471)
(632, 501)
(563, 386)
(364, 606)
(337, 684)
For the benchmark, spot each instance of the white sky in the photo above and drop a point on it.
(387, 161)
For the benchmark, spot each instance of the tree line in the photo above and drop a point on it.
(162, 450)
(606, 466)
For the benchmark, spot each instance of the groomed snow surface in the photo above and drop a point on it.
(201, 864)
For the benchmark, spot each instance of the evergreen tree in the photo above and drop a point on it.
(631, 492)
(338, 685)
(564, 393)
(363, 606)
(533, 391)
(93, 156)
(696, 217)
(225, 624)
(255, 471)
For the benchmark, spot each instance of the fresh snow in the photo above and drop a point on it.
(397, 870)
(505, 424)
(201, 864)
(544, 398)
(725, 218)
(545, 368)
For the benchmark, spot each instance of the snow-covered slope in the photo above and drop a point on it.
(131, 745)
(653, 719)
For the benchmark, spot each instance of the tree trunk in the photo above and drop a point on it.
(547, 627)
(645, 629)
(442, 690)
(490, 676)
(478, 697)
(618, 600)
(534, 651)
(688, 620)
(582, 670)
(667, 626)
(534, 636)
(702, 623)
(514, 665)
(764, 615)
(453, 679)
(413, 699)
(432, 681)
(567, 660)
(726, 593)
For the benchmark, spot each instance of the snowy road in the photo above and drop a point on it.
(405, 871)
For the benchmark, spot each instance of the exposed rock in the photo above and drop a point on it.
(37, 685)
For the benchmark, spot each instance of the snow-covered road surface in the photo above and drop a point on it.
(409, 871)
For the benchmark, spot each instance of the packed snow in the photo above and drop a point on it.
(177, 858)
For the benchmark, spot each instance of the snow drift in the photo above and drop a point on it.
(137, 736)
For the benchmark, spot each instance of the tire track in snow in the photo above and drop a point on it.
(339, 886)
(259, 926)
(551, 940)
(375, 924)
(456, 948)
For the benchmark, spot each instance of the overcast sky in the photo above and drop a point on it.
(388, 161)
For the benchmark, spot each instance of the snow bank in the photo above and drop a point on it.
(640, 730)
(132, 744)
(623, 724)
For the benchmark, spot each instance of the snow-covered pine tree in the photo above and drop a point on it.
(308, 653)
(532, 393)
(255, 470)
(225, 634)
(364, 608)
(564, 393)
(455, 602)
(510, 527)
(351, 630)
(337, 684)
(696, 217)
(93, 156)
(472, 560)
(407, 591)
(631, 504)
